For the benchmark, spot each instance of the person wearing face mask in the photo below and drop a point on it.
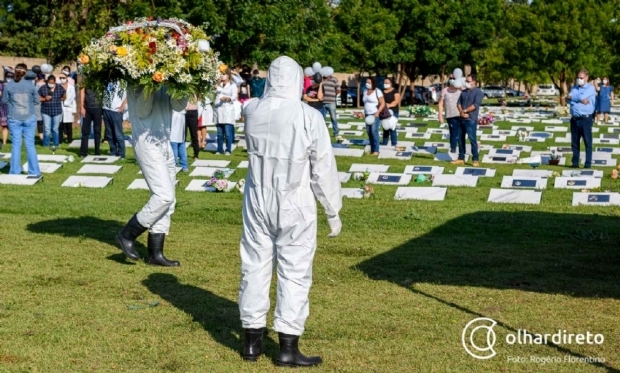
(113, 119)
(21, 96)
(51, 95)
(69, 107)
(226, 95)
(449, 102)
(71, 76)
(392, 100)
(313, 96)
(257, 85)
(604, 99)
(469, 106)
(373, 104)
(582, 101)
(291, 164)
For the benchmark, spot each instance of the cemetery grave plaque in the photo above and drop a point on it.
(524, 183)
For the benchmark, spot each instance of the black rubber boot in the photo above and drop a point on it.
(290, 356)
(156, 251)
(127, 237)
(253, 346)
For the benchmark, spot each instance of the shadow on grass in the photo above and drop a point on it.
(217, 315)
(87, 227)
(569, 254)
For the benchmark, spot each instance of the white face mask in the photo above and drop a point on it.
(468, 85)
(605, 81)
(581, 81)
(9, 80)
(63, 81)
(387, 86)
(451, 82)
(51, 85)
(368, 85)
(256, 76)
(65, 72)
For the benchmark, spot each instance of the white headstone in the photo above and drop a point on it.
(475, 171)
(449, 157)
(583, 173)
(19, 179)
(345, 152)
(556, 129)
(601, 161)
(421, 193)
(532, 173)
(362, 167)
(243, 164)
(564, 140)
(504, 152)
(350, 133)
(535, 139)
(423, 169)
(524, 182)
(504, 132)
(388, 179)
(209, 171)
(141, 184)
(411, 135)
(46, 168)
(52, 158)
(391, 154)
(100, 159)
(606, 141)
(201, 186)
(581, 182)
(609, 150)
(210, 163)
(492, 138)
(423, 150)
(504, 159)
(438, 145)
(531, 197)
(596, 199)
(87, 181)
(212, 147)
(356, 193)
(99, 169)
(455, 180)
(522, 128)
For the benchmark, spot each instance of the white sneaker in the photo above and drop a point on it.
(227, 153)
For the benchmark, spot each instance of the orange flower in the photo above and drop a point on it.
(84, 59)
(158, 77)
(614, 174)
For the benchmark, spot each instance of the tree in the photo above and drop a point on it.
(566, 36)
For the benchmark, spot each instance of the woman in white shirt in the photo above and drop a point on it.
(373, 104)
(226, 95)
(69, 108)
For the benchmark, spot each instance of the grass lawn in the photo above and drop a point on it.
(391, 294)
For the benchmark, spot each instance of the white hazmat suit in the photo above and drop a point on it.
(290, 163)
(151, 119)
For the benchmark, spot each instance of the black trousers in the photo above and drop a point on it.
(94, 116)
(191, 123)
(65, 128)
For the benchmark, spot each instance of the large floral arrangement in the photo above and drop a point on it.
(151, 54)
(561, 111)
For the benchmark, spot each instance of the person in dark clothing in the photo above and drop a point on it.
(191, 124)
(392, 100)
(314, 94)
(92, 114)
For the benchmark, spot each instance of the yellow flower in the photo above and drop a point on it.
(223, 67)
(121, 51)
(84, 59)
(158, 77)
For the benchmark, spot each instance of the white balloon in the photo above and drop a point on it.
(327, 71)
(316, 67)
(458, 73)
(46, 68)
(370, 120)
(459, 83)
(308, 71)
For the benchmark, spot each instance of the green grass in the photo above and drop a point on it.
(391, 294)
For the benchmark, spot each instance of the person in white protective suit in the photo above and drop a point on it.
(290, 163)
(151, 119)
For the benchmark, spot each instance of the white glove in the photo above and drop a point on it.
(335, 224)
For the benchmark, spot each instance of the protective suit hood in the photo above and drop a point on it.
(285, 79)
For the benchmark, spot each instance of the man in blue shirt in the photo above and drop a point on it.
(582, 100)
(469, 107)
(21, 97)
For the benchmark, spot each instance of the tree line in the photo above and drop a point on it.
(502, 40)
